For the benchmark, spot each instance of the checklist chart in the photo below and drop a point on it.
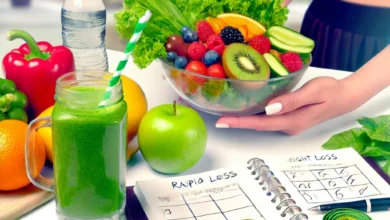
(329, 185)
(221, 203)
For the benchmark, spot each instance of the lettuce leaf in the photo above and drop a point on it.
(169, 16)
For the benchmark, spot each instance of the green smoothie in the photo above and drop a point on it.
(89, 155)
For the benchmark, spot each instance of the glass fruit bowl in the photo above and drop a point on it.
(229, 96)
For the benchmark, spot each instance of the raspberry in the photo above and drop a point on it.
(231, 35)
(204, 30)
(220, 49)
(261, 43)
(196, 51)
(214, 41)
(292, 61)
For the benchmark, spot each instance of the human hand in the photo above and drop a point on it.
(285, 3)
(318, 100)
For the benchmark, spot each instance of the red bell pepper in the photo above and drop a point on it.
(35, 68)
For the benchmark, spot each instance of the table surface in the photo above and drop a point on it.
(225, 147)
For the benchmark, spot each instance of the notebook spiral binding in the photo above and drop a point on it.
(272, 186)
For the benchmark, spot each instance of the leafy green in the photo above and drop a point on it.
(222, 94)
(372, 140)
(236, 95)
(169, 16)
(374, 152)
(305, 57)
(351, 138)
(377, 128)
(386, 167)
(212, 89)
(231, 99)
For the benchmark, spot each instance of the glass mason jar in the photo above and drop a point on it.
(89, 144)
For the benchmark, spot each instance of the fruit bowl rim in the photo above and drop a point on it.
(290, 75)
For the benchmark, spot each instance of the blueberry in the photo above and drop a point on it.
(195, 37)
(181, 62)
(184, 29)
(210, 58)
(172, 56)
(190, 36)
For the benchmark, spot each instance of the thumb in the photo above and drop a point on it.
(306, 95)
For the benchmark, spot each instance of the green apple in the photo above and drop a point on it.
(172, 138)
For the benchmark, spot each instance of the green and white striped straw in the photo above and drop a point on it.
(139, 28)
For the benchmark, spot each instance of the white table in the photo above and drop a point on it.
(235, 144)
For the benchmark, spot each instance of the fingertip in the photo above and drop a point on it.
(224, 122)
(221, 125)
(274, 108)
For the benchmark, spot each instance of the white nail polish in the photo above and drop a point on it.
(274, 108)
(222, 126)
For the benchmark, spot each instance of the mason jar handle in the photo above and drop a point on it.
(33, 173)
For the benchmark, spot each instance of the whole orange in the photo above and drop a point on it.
(137, 105)
(13, 173)
(45, 133)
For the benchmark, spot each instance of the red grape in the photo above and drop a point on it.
(182, 50)
(170, 47)
(175, 43)
(175, 38)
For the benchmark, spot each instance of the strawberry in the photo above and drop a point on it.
(214, 41)
(204, 30)
(292, 61)
(261, 43)
(220, 49)
(196, 51)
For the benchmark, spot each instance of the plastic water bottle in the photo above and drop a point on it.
(84, 31)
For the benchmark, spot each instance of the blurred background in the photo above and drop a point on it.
(42, 19)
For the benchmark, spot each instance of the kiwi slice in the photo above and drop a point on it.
(242, 62)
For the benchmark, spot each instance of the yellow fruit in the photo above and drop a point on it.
(175, 74)
(276, 53)
(244, 31)
(250, 36)
(137, 105)
(236, 20)
(13, 173)
(45, 133)
(216, 24)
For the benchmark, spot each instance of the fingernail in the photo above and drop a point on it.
(274, 108)
(222, 126)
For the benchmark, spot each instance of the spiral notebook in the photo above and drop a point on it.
(263, 188)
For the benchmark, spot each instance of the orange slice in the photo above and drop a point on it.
(250, 35)
(216, 24)
(237, 20)
(244, 31)
(276, 53)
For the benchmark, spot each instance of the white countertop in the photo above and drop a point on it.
(228, 146)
